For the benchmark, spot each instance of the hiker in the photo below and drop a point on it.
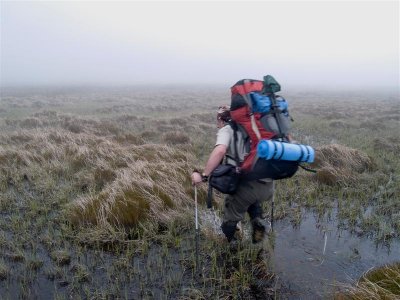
(249, 194)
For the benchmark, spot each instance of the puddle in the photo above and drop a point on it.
(313, 257)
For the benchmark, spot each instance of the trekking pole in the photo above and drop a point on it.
(272, 214)
(197, 229)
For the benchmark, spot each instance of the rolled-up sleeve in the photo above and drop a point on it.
(224, 136)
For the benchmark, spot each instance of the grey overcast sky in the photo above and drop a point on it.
(333, 44)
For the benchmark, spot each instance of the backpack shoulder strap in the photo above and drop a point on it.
(235, 129)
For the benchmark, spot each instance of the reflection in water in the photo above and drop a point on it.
(315, 256)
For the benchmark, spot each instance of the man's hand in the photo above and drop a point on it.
(196, 178)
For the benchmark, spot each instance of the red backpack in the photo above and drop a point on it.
(254, 125)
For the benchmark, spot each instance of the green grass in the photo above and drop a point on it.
(378, 283)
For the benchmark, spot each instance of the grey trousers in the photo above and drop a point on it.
(236, 205)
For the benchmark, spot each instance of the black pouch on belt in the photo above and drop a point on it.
(225, 178)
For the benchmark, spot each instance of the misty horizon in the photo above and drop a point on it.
(326, 45)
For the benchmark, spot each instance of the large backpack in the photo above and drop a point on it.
(260, 114)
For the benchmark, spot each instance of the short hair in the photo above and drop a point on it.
(224, 113)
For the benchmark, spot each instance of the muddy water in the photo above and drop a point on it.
(313, 257)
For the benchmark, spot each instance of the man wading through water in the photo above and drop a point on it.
(249, 194)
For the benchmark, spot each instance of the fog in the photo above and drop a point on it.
(312, 44)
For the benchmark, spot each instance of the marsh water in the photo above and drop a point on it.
(314, 259)
(315, 256)
(311, 261)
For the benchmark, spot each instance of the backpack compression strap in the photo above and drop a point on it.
(252, 119)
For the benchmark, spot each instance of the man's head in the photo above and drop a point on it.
(223, 113)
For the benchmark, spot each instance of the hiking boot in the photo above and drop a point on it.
(230, 230)
(255, 210)
(239, 232)
(260, 229)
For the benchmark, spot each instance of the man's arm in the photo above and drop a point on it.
(213, 161)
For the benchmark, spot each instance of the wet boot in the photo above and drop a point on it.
(260, 225)
(260, 229)
(255, 210)
(229, 228)
(233, 235)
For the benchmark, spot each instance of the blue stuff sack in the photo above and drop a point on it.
(261, 103)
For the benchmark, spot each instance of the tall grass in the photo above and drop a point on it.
(338, 164)
(378, 283)
(154, 188)
(115, 184)
(82, 169)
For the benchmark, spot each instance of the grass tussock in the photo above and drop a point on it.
(129, 138)
(61, 257)
(71, 123)
(390, 144)
(152, 188)
(379, 283)
(174, 138)
(113, 184)
(338, 164)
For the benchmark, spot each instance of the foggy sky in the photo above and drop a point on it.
(333, 44)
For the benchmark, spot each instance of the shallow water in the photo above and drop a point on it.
(309, 261)
(313, 257)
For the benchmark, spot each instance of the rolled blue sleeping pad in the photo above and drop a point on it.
(285, 151)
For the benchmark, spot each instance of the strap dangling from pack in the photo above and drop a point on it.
(209, 196)
(307, 169)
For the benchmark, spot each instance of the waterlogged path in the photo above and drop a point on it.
(311, 258)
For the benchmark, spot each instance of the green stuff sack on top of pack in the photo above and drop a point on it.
(270, 85)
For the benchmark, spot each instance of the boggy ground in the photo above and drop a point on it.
(96, 200)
